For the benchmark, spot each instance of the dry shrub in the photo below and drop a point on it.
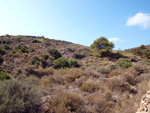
(142, 77)
(127, 106)
(94, 74)
(130, 75)
(101, 105)
(46, 81)
(61, 71)
(41, 72)
(103, 69)
(29, 69)
(108, 95)
(80, 81)
(66, 102)
(117, 83)
(143, 87)
(32, 80)
(114, 82)
(140, 68)
(92, 68)
(74, 74)
(132, 104)
(89, 86)
(114, 73)
(18, 97)
(59, 79)
(98, 104)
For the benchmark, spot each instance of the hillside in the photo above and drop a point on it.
(56, 76)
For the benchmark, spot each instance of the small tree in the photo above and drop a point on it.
(102, 46)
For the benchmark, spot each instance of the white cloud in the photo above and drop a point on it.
(115, 39)
(140, 19)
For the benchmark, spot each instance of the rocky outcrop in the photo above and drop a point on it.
(145, 104)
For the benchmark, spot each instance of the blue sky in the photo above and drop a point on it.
(125, 22)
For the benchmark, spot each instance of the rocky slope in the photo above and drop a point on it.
(145, 103)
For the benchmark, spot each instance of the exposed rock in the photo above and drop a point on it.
(145, 104)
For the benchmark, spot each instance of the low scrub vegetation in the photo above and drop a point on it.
(142, 51)
(73, 63)
(55, 53)
(36, 78)
(124, 63)
(18, 97)
(2, 52)
(61, 63)
(66, 102)
(78, 55)
(89, 86)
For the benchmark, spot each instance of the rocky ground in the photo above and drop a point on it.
(145, 103)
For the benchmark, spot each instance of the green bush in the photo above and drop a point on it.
(30, 50)
(18, 97)
(36, 41)
(2, 52)
(6, 47)
(4, 75)
(73, 63)
(35, 61)
(24, 49)
(78, 55)
(61, 63)
(45, 56)
(14, 51)
(142, 51)
(55, 53)
(124, 63)
(3, 41)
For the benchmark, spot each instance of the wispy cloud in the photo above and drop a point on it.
(140, 19)
(115, 39)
